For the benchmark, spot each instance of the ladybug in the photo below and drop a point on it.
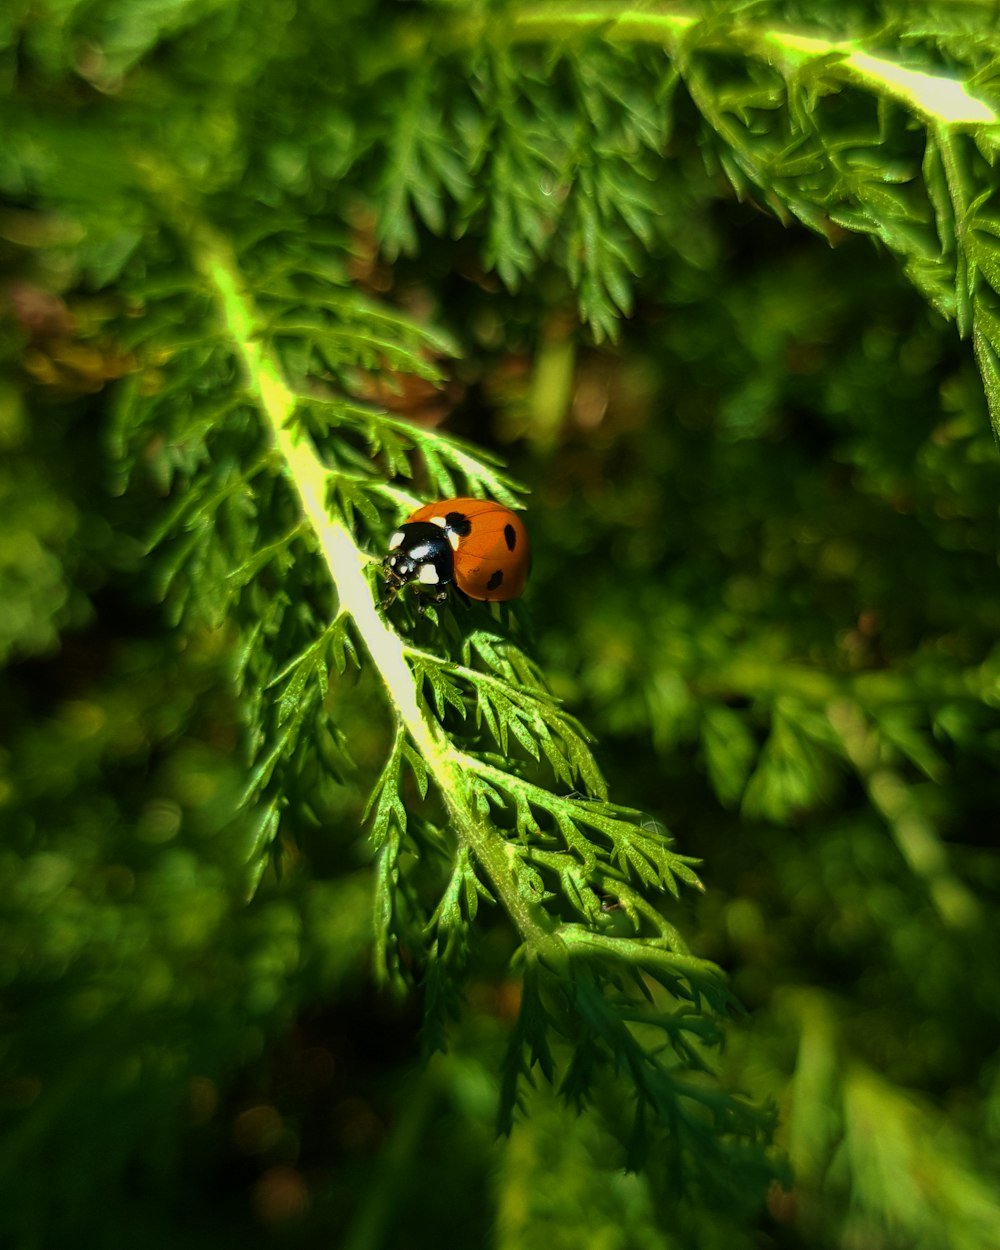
(479, 545)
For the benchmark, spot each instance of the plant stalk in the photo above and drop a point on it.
(215, 260)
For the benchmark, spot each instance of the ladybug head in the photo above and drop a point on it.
(419, 552)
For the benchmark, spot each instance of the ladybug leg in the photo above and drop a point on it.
(425, 601)
(393, 585)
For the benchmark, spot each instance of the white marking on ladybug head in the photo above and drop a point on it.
(396, 539)
(439, 520)
(454, 539)
(427, 574)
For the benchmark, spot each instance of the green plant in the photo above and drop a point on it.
(202, 164)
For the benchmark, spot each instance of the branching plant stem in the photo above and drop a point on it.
(214, 259)
(935, 96)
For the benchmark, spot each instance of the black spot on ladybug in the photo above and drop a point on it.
(495, 580)
(509, 537)
(458, 523)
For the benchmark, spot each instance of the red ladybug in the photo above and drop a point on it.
(481, 546)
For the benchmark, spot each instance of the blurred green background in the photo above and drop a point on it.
(765, 526)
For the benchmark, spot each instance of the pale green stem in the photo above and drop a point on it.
(935, 96)
(215, 260)
(346, 565)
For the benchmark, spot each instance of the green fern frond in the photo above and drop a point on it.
(576, 108)
(277, 531)
(238, 232)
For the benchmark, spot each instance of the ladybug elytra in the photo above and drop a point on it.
(480, 546)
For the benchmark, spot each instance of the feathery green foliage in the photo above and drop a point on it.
(223, 181)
